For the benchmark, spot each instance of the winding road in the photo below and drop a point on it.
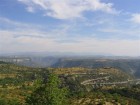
(95, 81)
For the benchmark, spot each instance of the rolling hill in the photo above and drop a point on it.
(131, 66)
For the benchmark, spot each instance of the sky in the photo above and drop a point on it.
(99, 27)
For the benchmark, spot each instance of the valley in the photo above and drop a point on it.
(129, 65)
(93, 86)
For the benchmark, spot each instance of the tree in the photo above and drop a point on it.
(50, 93)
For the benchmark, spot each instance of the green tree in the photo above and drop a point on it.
(50, 93)
(2, 102)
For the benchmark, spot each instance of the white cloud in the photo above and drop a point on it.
(68, 9)
(27, 38)
(18, 29)
(30, 9)
(136, 18)
(7, 23)
(84, 45)
(129, 32)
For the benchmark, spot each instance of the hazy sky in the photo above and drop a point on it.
(94, 26)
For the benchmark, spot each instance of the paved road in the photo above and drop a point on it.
(91, 80)
(87, 82)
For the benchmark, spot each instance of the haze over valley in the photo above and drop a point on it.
(69, 52)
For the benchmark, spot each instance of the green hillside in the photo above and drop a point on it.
(86, 86)
(131, 66)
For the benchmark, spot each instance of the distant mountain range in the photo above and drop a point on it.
(130, 65)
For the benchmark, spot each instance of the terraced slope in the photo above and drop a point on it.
(131, 66)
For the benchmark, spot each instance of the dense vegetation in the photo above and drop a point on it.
(48, 93)
(21, 85)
